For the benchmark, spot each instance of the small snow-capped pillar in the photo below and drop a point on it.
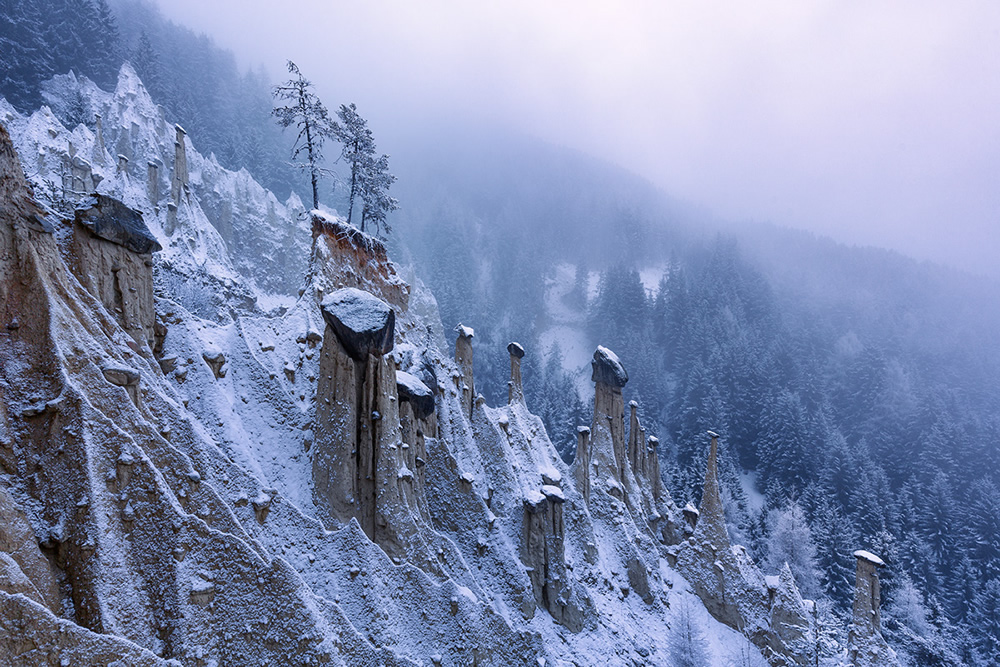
(581, 462)
(636, 440)
(178, 184)
(790, 620)
(543, 553)
(418, 401)
(711, 516)
(609, 377)
(653, 465)
(122, 164)
(81, 176)
(867, 618)
(153, 184)
(515, 392)
(417, 420)
(97, 157)
(463, 357)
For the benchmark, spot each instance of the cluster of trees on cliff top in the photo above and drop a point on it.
(369, 178)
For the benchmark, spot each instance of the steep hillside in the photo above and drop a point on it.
(193, 470)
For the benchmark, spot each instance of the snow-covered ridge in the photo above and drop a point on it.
(131, 154)
(219, 481)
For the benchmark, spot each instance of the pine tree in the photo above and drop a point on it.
(308, 115)
(106, 44)
(985, 618)
(791, 542)
(686, 641)
(983, 515)
(376, 203)
(351, 130)
(27, 58)
(836, 540)
(783, 449)
(147, 64)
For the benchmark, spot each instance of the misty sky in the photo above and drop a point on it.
(872, 122)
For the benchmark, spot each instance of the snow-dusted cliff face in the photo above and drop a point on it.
(195, 470)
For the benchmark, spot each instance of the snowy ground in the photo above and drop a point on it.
(566, 329)
(565, 325)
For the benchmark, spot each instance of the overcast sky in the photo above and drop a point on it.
(872, 122)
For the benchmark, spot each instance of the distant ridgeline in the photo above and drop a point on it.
(198, 470)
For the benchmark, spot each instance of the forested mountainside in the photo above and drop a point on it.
(854, 389)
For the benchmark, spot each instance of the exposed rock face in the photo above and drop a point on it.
(543, 553)
(416, 393)
(23, 568)
(609, 377)
(790, 642)
(111, 257)
(417, 421)
(216, 360)
(353, 259)
(80, 176)
(728, 582)
(153, 183)
(581, 462)
(608, 368)
(111, 220)
(123, 376)
(179, 181)
(353, 411)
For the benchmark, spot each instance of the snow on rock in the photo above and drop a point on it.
(608, 368)
(870, 557)
(122, 376)
(364, 323)
(112, 221)
(419, 395)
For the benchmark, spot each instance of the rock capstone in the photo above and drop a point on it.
(608, 368)
(111, 220)
(410, 388)
(364, 324)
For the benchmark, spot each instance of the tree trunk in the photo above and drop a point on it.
(312, 166)
(354, 187)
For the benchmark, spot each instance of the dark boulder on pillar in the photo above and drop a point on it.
(608, 368)
(419, 395)
(364, 324)
(111, 220)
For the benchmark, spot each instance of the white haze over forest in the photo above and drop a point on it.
(873, 123)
